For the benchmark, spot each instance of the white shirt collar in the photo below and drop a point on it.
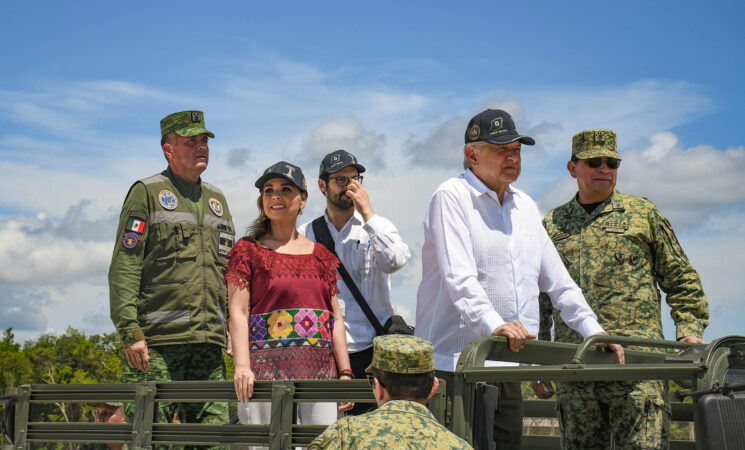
(479, 185)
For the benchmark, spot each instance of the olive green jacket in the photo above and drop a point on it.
(619, 255)
(166, 275)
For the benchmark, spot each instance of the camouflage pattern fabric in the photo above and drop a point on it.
(182, 363)
(399, 353)
(594, 144)
(635, 413)
(184, 123)
(619, 255)
(396, 424)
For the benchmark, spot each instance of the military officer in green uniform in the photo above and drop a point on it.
(403, 379)
(167, 297)
(619, 249)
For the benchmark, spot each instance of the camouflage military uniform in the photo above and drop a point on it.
(618, 255)
(396, 424)
(165, 279)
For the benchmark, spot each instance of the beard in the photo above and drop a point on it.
(339, 201)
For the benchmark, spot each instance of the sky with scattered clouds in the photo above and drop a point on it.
(83, 87)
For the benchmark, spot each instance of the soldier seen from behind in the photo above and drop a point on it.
(620, 250)
(168, 301)
(402, 376)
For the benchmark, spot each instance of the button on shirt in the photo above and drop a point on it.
(370, 251)
(484, 264)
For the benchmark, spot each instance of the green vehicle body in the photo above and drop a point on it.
(718, 364)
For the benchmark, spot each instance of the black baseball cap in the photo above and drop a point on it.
(495, 126)
(282, 169)
(337, 160)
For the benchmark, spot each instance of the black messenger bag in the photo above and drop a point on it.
(395, 324)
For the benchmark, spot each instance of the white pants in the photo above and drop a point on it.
(313, 413)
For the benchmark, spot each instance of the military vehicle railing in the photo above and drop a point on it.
(143, 432)
(586, 362)
(560, 362)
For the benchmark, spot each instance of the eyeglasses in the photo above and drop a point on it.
(595, 163)
(370, 379)
(343, 181)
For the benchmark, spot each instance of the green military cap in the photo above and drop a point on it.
(184, 123)
(399, 353)
(594, 143)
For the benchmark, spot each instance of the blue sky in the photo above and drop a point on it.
(83, 87)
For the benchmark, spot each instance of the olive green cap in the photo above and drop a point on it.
(400, 353)
(594, 143)
(116, 404)
(184, 123)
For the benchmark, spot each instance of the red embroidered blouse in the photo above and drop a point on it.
(291, 316)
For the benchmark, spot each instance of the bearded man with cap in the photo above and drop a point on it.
(485, 259)
(403, 379)
(619, 249)
(168, 301)
(368, 245)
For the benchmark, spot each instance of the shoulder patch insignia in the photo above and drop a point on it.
(167, 199)
(215, 206)
(130, 240)
(136, 224)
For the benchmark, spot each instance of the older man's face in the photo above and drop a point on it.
(595, 185)
(188, 156)
(497, 165)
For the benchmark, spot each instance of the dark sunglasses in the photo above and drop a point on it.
(595, 163)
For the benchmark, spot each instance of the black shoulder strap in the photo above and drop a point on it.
(323, 237)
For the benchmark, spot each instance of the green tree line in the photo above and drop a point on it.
(70, 358)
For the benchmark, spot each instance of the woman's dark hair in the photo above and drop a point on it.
(406, 386)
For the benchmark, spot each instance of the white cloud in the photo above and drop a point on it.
(342, 133)
(82, 141)
(39, 249)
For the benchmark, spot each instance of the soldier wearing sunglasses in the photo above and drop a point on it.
(621, 251)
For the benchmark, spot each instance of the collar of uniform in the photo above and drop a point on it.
(609, 204)
(479, 185)
(189, 190)
(406, 405)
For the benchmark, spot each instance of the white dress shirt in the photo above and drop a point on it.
(370, 251)
(483, 264)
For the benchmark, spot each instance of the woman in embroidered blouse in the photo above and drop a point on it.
(285, 321)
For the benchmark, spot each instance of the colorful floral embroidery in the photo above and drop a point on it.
(280, 324)
(291, 328)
